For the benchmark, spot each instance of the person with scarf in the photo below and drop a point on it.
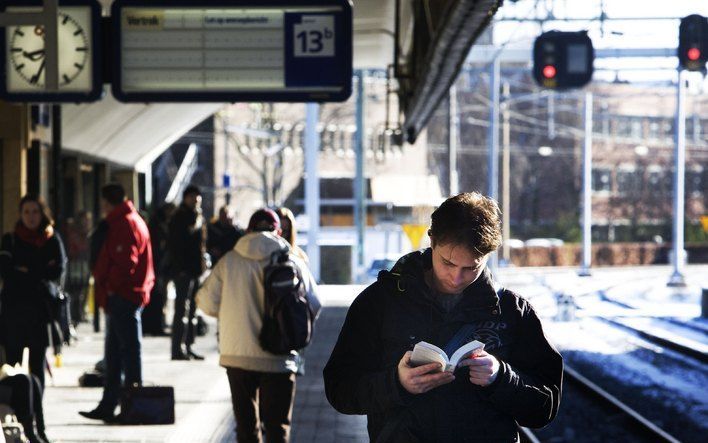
(32, 263)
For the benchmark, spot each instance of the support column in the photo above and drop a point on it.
(493, 143)
(587, 190)
(57, 176)
(359, 188)
(677, 278)
(454, 136)
(506, 171)
(312, 186)
(14, 138)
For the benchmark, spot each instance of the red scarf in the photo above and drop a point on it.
(34, 237)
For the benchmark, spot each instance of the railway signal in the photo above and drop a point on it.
(693, 42)
(563, 60)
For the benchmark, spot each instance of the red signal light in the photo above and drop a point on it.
(693, 54)
(549, 71)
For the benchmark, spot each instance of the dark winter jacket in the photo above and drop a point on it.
(159, 234)
(124, 267)
(221, 239)
(396, 312)
(186, 242)
(26, 300)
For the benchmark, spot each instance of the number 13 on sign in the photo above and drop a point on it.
(314, 36)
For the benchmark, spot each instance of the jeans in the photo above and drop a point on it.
(122, 349)
(185, 306)
(265, 396)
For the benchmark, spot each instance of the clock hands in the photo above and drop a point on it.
(35, 78)
(34, 55)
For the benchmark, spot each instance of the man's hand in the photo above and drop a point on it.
(484, 368)
(422, 378)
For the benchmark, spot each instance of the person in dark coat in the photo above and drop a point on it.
(222, 235)
(124, 278)
(154, 312)
(186, 247)
(32, 263)
(446, 296)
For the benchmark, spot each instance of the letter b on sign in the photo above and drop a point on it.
(314, 36)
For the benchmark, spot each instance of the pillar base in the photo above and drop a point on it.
(677, 280)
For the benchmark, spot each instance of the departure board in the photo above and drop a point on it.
(232, 51)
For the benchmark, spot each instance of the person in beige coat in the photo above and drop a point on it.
(262, 384)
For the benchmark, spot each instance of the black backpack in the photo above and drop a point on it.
(288, 318)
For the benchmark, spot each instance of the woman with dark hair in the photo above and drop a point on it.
(289, 232)
(32, 261)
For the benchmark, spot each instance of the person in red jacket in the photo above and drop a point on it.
(124, 277)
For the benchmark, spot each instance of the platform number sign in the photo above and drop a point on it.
(318, 52)
(235, 51)
(314, 36)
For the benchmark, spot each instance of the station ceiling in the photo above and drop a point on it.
(433, 39)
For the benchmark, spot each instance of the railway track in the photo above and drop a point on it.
(613, 420)
(662, 341)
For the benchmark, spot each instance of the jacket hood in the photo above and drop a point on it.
(260, 245)
(409, 270)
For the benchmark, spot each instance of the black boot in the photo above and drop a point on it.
(193, 355)
(39, 421)
(28, 425)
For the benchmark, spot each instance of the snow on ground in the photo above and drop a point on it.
(673, 381)
(669, 331)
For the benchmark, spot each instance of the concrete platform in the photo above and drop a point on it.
(203, 400)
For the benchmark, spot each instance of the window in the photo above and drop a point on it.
(659, 180)
(695, 179)
(601, 180)
(628, 181)
(636, 124)
(654, 129)
(623, 126)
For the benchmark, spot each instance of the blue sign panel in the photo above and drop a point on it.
(228, 51)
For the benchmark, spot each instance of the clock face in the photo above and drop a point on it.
(26, 53)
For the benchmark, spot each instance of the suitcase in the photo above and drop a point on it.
(148, 405)
(91, 379)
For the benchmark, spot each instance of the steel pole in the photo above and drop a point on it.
(359, 192)
(493, 141)
(677, 277)
(454, 135)
(312, 186)
(506, 169)
(587, 190)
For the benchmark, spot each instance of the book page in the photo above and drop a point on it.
(424, 353)
(465, 351)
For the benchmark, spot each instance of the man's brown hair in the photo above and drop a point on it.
(468, 219)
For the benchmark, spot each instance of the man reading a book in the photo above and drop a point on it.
(481, 362)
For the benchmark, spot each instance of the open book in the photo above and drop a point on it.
(424, 353)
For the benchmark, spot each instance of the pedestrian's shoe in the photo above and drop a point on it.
(99, 414)
(194, 356)
(28, 427)
(180, 356)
